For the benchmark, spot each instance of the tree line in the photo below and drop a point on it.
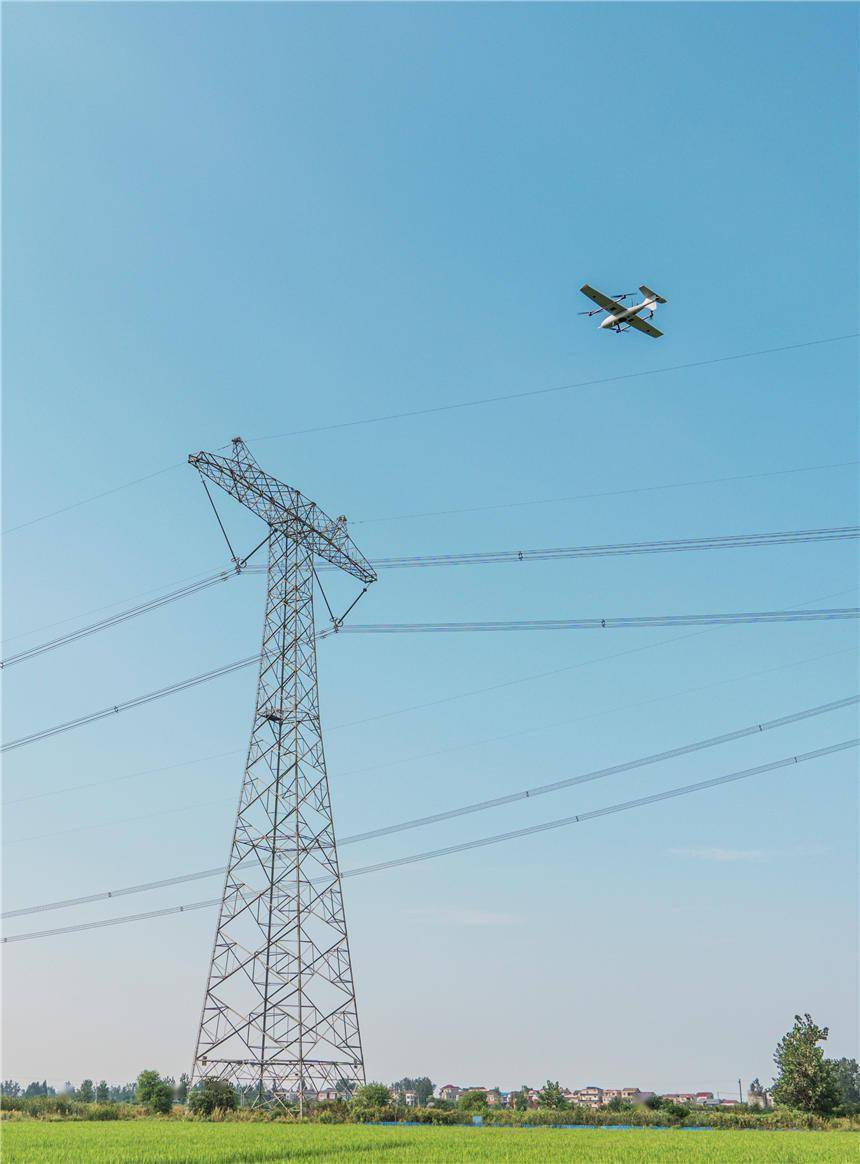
(805, 1081)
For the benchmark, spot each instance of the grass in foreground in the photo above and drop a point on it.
(162, 1142)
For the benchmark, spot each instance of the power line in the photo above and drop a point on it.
(532, 393)
(613, 770)
(482, 509)
(406, 759)
(605, 493)
(664, 546)
(624, 806)
(480, 842)
(638, 622)
(447, 751)
(473, 509)
(481, 805)
(137, 701)
(121, 617)
(641, 622)
(448, 408)
(94, 497)
(555, 553)
(197, 576)
(125, 820)
(396, 711)
(118, 779)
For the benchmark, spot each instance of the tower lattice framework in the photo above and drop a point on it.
(279, 1016)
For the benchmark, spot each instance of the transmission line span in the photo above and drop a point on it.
(480, 805)
(480, 842)
(536, 392)
(447, 408)
(126, 705)
(490, 557)
(667, 546)
(69, 788)
(641, 622)
(120, 617)
(561, 624)
(635, 489)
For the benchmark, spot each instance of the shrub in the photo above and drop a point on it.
(675, 1111)
(472, 1101)
(161, 1100)
(212, 1095)
(372, 1095)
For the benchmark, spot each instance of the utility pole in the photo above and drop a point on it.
(279, 1014)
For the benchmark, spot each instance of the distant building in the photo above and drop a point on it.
(627, 1094)
(450, 1093)
(590, 1096)
(759, 1099)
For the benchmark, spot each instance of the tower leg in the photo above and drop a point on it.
(279, 1015)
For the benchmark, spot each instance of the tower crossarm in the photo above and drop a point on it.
(281, 506)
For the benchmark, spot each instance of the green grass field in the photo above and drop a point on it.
(162, 1142)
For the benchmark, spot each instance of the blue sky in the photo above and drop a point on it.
(258, 219)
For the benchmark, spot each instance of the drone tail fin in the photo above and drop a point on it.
(651, 294)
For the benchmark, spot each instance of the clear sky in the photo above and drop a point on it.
(254, 219)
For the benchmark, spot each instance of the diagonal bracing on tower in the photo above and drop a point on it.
(279, 1016)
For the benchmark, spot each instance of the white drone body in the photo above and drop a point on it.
(620, 318)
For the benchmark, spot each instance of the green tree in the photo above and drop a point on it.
(103, 1092)
(848, 1080)
(373, 1095)
(212, 1095)
(422, 1085)
(182, 1088)
(521, 1098)
(86, 1092)
(550, 1095)
(147, 1082)
(654, 1102)
(10, 1087)
(161, 1100)
(154, 1092)
(805, 1079)
(472, 1101)
(677, 1111)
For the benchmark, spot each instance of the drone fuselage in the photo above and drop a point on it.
(615, 320)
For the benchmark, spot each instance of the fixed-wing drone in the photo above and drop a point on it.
(621, 318)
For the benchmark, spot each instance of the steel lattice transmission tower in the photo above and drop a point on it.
(280, 1014)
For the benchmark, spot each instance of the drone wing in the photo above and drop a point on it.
(602, 300)
(641, 325)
